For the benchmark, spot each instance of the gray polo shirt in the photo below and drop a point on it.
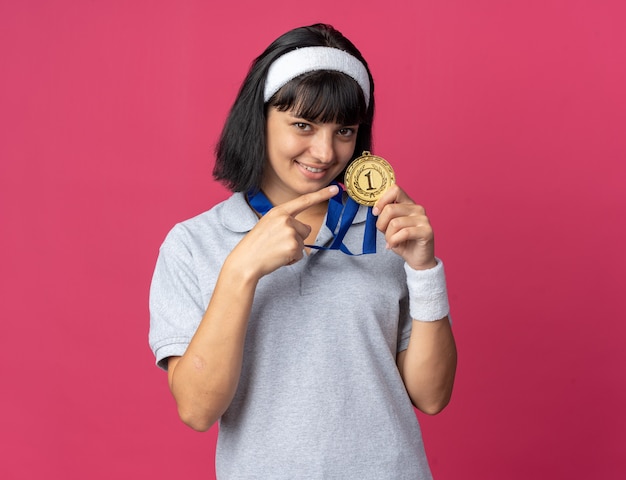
(320, 396)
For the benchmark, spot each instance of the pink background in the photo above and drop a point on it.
(507, 120)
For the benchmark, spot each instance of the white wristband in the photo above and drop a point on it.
(428, 295)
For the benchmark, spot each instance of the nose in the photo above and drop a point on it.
(322, 146)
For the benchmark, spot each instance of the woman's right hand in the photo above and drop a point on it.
(204, 380)
(278, 239)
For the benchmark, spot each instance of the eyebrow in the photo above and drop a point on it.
(316, 122)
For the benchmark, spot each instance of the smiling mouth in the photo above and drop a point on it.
(311, 169)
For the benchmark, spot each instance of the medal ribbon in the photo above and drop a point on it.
(338, 220)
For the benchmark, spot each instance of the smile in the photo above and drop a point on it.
(311, 169)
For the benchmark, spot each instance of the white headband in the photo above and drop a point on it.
(309, 59)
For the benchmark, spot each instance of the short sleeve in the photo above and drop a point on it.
(176, 304)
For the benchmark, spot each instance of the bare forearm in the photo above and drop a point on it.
(204, 380)
(428, 366)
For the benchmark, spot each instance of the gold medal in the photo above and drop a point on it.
(367, 178)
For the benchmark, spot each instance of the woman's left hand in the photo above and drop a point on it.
(406, 228)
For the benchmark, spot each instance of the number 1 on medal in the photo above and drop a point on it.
(369, 180)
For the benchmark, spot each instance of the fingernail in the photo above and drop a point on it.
(375, 211)
(334, 189)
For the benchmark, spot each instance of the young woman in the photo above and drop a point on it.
(310, 358)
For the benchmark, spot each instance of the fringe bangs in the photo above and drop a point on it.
(323, 96)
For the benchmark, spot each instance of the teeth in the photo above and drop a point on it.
(313, 170)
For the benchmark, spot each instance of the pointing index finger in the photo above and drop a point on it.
(300, 204)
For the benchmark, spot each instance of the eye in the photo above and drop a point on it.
(305, 127)
(346, 131)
